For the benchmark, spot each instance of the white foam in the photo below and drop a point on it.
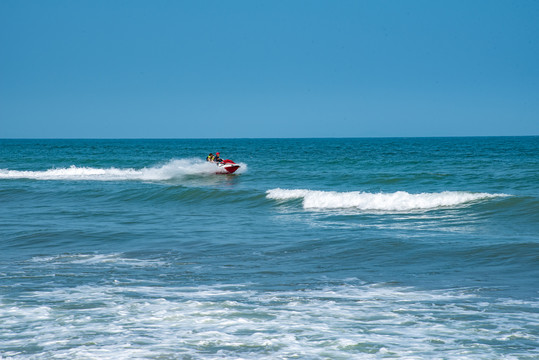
(173, 169)
(397, 201)
(228, 321)
(96, 259)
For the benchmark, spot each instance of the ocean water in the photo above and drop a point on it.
(423, 248)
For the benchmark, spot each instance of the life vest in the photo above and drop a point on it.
(210, 158)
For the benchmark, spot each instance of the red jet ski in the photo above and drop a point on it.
(227, 166)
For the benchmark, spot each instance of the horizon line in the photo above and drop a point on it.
(266, 138)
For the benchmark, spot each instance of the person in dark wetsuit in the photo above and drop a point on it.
(217, 159)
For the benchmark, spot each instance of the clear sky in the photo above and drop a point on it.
(255, 68)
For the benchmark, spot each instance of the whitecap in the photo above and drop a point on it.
(396, 201)
(97, 259)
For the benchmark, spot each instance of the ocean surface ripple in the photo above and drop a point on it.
(422, 248)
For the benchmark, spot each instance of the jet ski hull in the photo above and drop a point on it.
(231, 168)
(227, 167)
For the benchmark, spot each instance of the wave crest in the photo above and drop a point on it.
(397, 201)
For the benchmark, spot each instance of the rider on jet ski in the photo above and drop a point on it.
(217, 158)
(212, 158)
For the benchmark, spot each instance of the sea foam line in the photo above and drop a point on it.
(171, 170)
(397, 201)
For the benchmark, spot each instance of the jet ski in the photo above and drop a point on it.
(227, 166)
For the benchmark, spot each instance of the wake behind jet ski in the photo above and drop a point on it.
(225, 166)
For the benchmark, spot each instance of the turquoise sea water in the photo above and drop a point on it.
(422, 248)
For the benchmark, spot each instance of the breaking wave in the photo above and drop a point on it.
(173, 169)
(397, 201)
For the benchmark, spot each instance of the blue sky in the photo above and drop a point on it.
(234, 69)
